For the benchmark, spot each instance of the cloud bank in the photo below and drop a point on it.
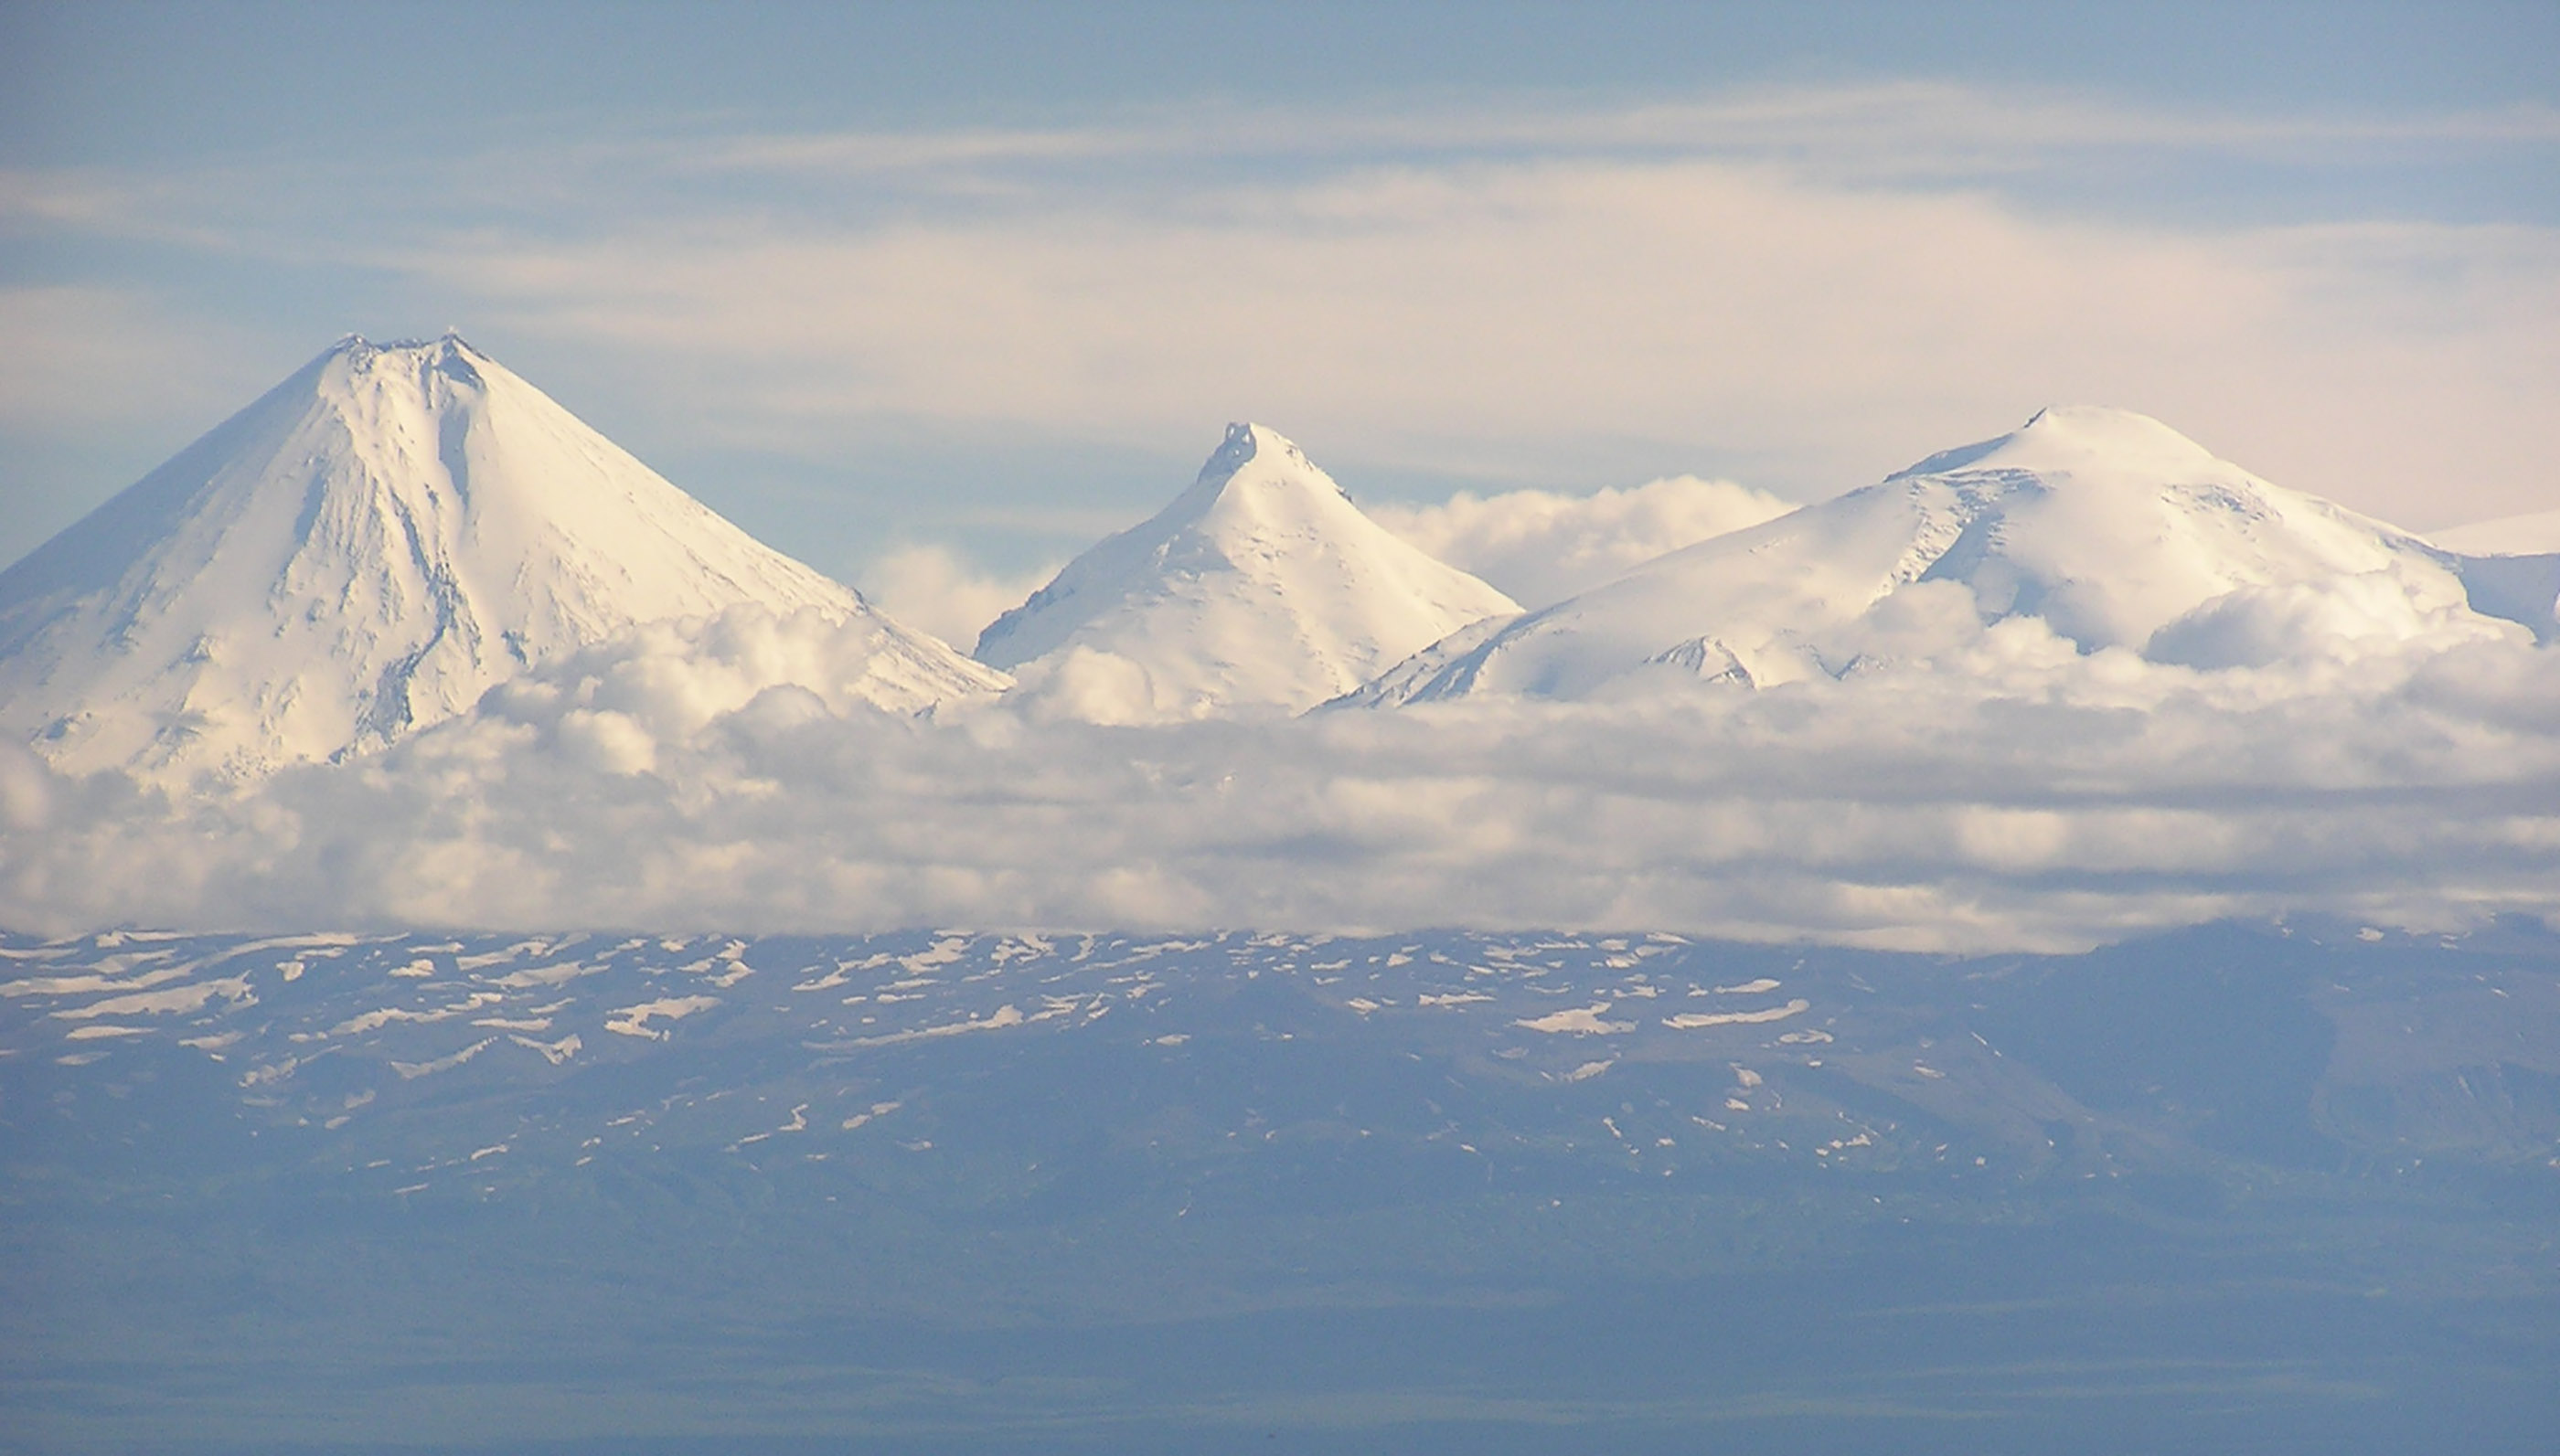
(943, 592)
(1541, 548)
(2006, 790)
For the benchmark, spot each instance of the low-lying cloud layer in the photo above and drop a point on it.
(2006, 790)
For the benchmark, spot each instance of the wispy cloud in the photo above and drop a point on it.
(1502, 320)
(1882, 128)
(1797, 288)
(91, 358)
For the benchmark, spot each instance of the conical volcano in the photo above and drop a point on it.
(1261, 586)
(360, 553)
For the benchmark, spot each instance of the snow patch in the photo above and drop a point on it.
(1580, 1020)
(411, 1070)
(633, 1021)
(1689, 1021)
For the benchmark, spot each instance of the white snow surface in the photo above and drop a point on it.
(363, 553)
(2107, 529)
(1261, 586)
(2535, 534)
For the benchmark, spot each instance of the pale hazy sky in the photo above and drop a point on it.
(995, 277)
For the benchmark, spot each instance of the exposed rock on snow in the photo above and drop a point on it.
(2106, 528)
(363, 553)
(1260, 586)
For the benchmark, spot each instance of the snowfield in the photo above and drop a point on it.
(2076, 681)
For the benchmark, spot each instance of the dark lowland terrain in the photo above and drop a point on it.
(2242, 1188)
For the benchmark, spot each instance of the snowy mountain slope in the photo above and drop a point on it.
(2111, 529)
(2511, 568)
(1260, 586)
(361, 552)
(2535, 534)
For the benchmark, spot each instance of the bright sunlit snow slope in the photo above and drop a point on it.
(1260, 586)
(2102, 527)
(363, 553)
(2511, 568)
(2537, 534)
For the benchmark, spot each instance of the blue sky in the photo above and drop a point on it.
(995, 277)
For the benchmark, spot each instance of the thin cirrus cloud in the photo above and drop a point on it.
(1885, 129)
(1501, 320)
(1799, 289)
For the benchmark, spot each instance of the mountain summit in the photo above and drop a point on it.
(1260, 586)
(360, 553)
(2108, 526)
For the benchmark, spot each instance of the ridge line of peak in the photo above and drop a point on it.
(353, 343)
(1245, 443)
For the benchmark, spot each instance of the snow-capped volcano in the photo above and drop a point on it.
(1260, 586)
(364, 551)
(2109, 527)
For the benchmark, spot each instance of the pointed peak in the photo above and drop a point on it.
(1262, 587)
(1232, 454)
(374, 542)
(1254, 454)
(1245, 443)
(451, 344)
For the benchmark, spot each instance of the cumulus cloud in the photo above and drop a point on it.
(2002, 790)
(1541, 548)
(2341, 619)
(937, 589)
